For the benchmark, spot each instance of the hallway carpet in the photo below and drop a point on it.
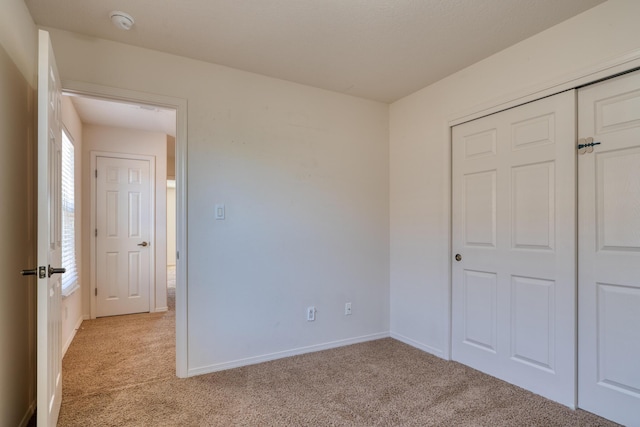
(120, 371)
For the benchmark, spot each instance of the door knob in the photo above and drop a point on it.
(143, 244)
(458, 257)
(53, 271)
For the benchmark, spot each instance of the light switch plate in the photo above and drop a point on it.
(219, 213)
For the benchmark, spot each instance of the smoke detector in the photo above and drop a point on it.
(122, 20)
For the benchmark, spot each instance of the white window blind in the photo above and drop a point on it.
(70, 278)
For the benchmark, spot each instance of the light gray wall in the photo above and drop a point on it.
(17, 221)
(303, 173)
(420, 153)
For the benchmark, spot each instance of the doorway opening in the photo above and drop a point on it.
(111, 119)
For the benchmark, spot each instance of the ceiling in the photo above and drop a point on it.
(130, 116)
(376, 49)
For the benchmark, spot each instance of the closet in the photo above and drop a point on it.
(546, 247)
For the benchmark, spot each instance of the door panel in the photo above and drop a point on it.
(620, 341)
(618, 223)
(479, 199)
(533, 321)
(123, 267)
(49, 347)
(533, 206)
(609, 254)
(514, 225)
(533, 132)
(480, 290)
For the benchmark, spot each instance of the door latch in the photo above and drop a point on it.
(585, 145)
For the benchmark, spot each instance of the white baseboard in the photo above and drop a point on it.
(72, 336)
(27, 416)
(160, 310)
(281, 354)
(413, 343)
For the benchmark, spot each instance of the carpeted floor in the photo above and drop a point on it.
(120, 371)
(171, 276)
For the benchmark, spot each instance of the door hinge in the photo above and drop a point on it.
(96, 233)
(96, 292)
(177, 255)
(96, 173)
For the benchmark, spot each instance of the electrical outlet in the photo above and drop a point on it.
(219, 213)
(311, 314)
(347, 309)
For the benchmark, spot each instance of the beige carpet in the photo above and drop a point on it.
(120, 372)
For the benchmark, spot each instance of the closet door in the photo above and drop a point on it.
(514, 246)
(609, 250)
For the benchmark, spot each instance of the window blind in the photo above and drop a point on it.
(70, 277)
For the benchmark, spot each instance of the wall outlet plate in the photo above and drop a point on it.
(347, 309)
(219, 211)
(311, 314)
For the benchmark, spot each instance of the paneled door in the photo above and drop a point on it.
(49, 347)
(123, 236)
(609, 250)
(514, 246)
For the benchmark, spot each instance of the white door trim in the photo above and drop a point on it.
(579, 77)
(180, 105)
(152, 234)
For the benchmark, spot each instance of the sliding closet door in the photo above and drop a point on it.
(609, 250)
(514, 246)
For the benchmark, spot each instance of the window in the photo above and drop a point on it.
(70, 278)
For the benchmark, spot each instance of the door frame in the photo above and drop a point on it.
(180, 105)
(573, 80)
(152, 235)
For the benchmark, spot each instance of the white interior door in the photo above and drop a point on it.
(123, 242)
(514, 227)
(609, 250)
(49, 348)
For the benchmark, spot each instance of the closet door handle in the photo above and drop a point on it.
(458, 257)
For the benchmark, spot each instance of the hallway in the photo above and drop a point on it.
(111, 355)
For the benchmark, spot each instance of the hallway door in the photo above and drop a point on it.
(49, 347)
(124, 248)
(609, 250)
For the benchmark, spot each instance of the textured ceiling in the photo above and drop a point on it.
(376, 49)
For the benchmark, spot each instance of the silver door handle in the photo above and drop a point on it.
(143, 244)
(53, 271)
(458, 257)
(41, 272)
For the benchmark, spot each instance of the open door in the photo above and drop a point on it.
(49, 383)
